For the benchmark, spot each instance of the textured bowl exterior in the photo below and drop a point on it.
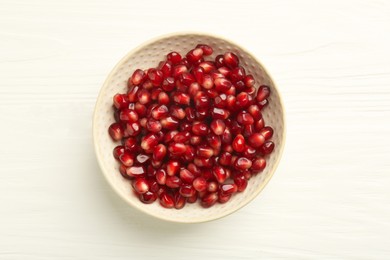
(149, 55)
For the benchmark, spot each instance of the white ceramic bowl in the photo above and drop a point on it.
(148, 55)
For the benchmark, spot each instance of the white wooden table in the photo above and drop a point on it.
(330, 197)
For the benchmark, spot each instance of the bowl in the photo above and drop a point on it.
(148, 55)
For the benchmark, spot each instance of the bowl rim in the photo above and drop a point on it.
(97, 148)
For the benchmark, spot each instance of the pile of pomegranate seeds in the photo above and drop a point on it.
(191, 129)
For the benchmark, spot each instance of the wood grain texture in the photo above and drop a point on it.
(330, 197)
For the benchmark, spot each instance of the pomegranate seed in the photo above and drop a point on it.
(133, 129)
(140, 109)
(219, 61)
(163, 98)
(177, 148)
(127, 115)
(245, 118)
(179, 200)
(121, 101)
(174, 57)
(226, 137)
(194, 55)
(267, 147)
(166, 68)
(187, 79)
(263, 103)
(231, 102)
(239, 143)
(203, 162)
(258, 164)
(256, 140)
(198, 74)
(155, 76)
(131, 144)
(138, 77)
(173, 167)
(227, 148)
(193, 89)
(207, 81)
(249, 81)
(168, 84)
(207, 66)
(166, 200)
(173, 182)
(116, 131)
(170, 135)
(249, 152)
(209, 200)
(220, 101)
(263, 93)
(220, 113)
(224, 71)
(240, 181)
(201, 100)
(214, 141)
(255, 112)
(247, 130)
(240, 86)
(151, 174)
(185, 126)
(228, 189)
(195, 140)
(190, 114)
(242, 100)
(118, 151)
(202, 113)
(230, 60)
(127, 159)
(204, 151)
(200, 184)
(247, 174)
(132, 93)
(222, 84)
(219, 173)
(143, 96)
(156, 164)
(225, 159)
(148, 197)
(159, 112)
(223, 198)
(237, 74)
(136, 171)
(149, 141)
(143, 122)
(259, 124)
(187, 190)
(153, 126)
(236, 128)
(186, 176)
(192, 199)
(207, 50)
(267, 132)
(161, 176)
(242, 163)
(169, 123)
(178, 70)
(140, 185)
(177, 112)
(218, 126)
(207, 174)
(199, 128)
(181, 98)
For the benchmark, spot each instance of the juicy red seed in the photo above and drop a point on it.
(166, 68)
(173, 182)
(133, 129)
(187, 176)
(169, 123)
(163, 98)
(174, 57)
(131, 144)
(220, 101)
(267, 132)
(198, 74)
(200, 184)
(118, 151)
(143, 96)
(249, 81)
(169, 136)
(223, 198)
(242, 163)
(209, 200)
(142, 158)
(242, 100)
(207, 66)
(156, 164)
(132, 93)
(192, 199)
(179, 200)
(214, 141)
(267, 147)
(177, 112)
(178, 70)
(147, 85)
(231, 102)
(187, 79)
(199, 128)
(202, 113)
(236, 128)
(127, 115)
(212, 93)
(187, 190)
(181, 98)
(177, 148)
(161, 176)
(190, 114)
(207, 81)
(263, 93)
(155, 92)
(224, 71)
(218, 126)
(201, 100)
(220, 113)
(168, 84)
(160, 112)
(225, 159)
(237, 74)
(219, 173)
(148, 197)
(166, 200)
(185, 126)
(256, 140)
(127, 159)
(230, 60)
(121, 101)
(151, 174)
(138, 77)
(226, 137)
(193, 89)
(136, 171)
(228, 189)
(140, 185)
(259, 124)
(249, 152)
(207, 50)
(245, 118)
(149, 141)
(240, 86)
(182, 137)
(155, 76)
(239, 143)
(255, 112)
(143, 122)
(204, 151)
(173, 167)
(248, 130)
(222, 84)
(258, 164)
(153, 126)
(194, 55)
(203, 162)
(116, 131)
(240, 181)
(219, 61)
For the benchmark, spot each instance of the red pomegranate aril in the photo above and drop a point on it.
(222, 84)
(173, 167)
(225, 159)
(140, 109)
(203, 162)
(219, 173)
(133, 129)
(231, 102)
(161, 176)
(126, 115)
(239, 143)
(166, 200)
(193, 89)
(174, 57)
(169, 123)
(201, 100)
(138, 77)
(194, 169)
(147, 85)
(240, 86)
(219, 61)
(256, 140)
(155, 92)
(258, 164)
(166, 68)
(199, 128)
(220, 101)
(155, 76)
(127, 159)
(186, 78)
(186, 176)
(245, 118)
(116, 131)
(240, 181)
(209, 200)
(223, 198)
(140, 185)
(159, 112)
(207, 66)
(187, 190)
(178, 70)
(249, 151)
(179, 200)
(149, 141)
(267, 147)
(168, 84)
(220, 113)
(194, 55)
(143, 122)
(185, 126)
(207, 50)
(181, 98)
(248, 130)
(169, 136)
(132, 93)
(153, 126)
(131, 144)
(177, 148)
(190, 114)
(118, 151)
(267, 132)
(224, 71)
(198, 74)
(263, 93)
(207, 81)
(263, 103)
(216, 74)
(242, 100)
(136, 171)
(259, 124)
(144, 96)
(230, 60)
(163, 98)
(195, 140)
(214, 141)
(148, 197)
(177, 112)
(237, 74)
(192, 199)
(204, 151)
(121, 101)
(242, 163)
(200, 184)
(182, 137)
(227, 148)
(202, 113)
(151, 174)
(154, 163)
(228, 189)
(255, 112)
(173, 182)
(249, 81)
(218, 126)
(226, 137)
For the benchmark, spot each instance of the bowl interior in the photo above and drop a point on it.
(149, 55)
